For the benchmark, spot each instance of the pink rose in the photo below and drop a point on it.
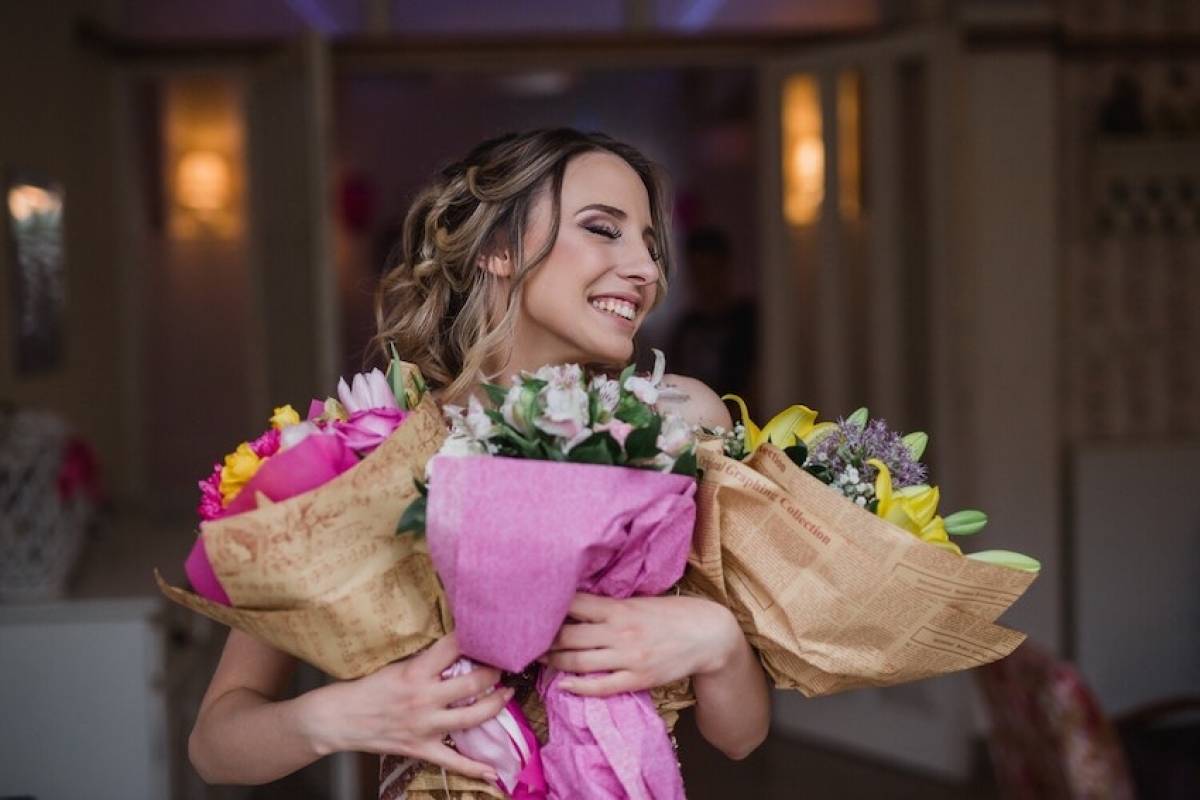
(366, 430)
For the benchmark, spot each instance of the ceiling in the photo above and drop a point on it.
(221, 19)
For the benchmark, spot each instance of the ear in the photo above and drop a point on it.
(497, 257)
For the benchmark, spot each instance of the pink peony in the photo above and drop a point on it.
(368, 390)
(366, 430)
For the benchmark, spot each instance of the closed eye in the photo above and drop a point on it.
(606, 231)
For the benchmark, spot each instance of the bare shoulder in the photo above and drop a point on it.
(694, 401)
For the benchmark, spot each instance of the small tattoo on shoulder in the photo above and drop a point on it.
(672, 393)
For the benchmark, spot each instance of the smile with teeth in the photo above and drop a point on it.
(620, 308)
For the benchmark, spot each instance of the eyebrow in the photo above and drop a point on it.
(616, 212)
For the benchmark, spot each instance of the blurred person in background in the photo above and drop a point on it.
(715, 338)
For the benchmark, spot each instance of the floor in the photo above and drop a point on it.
(782, 769)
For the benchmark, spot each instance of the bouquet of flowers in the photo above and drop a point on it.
(825, 540)
(565, 485)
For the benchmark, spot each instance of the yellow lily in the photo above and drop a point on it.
(913, 509)
(794, 424)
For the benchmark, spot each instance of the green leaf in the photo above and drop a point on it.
(686, 464)
(965, 522)
(798, 453)
(395, 381)
(635, 412)
(820, 472)
(594, 450)
(593, 408)
(413, 518)
(1007, 558)
(858, 419)
(422, 487)
(625, 373)
(643, 442)
(495, 393)
(916, 442)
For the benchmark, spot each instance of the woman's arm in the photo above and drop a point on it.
(651, 641)
(246, 733)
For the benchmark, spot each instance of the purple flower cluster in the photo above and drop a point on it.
(851, 445)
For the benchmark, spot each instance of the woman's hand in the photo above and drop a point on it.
(641, 642)
(406, 709)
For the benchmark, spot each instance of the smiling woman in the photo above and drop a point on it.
(541, 248)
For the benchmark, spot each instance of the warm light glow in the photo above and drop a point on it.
(202, 181)
(803, 151)
(849, 110)
(204, 137)
(25, 201)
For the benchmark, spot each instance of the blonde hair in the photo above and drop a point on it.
(435, 303)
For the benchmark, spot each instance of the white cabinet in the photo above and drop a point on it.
(83, 712)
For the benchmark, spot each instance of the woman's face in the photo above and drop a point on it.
(585, 302)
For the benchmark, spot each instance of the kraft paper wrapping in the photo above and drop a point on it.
(831, 596)
(323, 575)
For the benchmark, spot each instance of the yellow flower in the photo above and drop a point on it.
(793, 424)
(913, 509)
(284, 416)
(240, 467)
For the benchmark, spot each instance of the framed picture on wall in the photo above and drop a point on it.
(34, 214)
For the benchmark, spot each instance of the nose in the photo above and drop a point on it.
(639, 269)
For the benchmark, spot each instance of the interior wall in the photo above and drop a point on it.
(52, 93)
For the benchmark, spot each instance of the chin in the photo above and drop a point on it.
(615, 355)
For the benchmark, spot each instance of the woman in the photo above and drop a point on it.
(545, 247)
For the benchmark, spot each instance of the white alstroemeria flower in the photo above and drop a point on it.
(647, 389)
(457, 419)
(607, 391)
(461, 446)
(564, 376)
(564, 412)
(369, 390)
(479, 425)
(676, 436)
(518, 407)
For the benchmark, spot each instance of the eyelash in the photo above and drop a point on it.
(613, 233)
(604, 230)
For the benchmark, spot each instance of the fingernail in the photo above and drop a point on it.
(493, 777)
(509, 692)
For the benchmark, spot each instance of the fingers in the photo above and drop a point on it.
(464, 687)
(438, 656)
(581, 636)
(455, 761)
(466, 717)
(603, 685)
(590, 607)
(585, 660)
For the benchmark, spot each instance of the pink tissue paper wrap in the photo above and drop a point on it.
(513, 540)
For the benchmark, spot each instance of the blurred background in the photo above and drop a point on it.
(980, 219)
